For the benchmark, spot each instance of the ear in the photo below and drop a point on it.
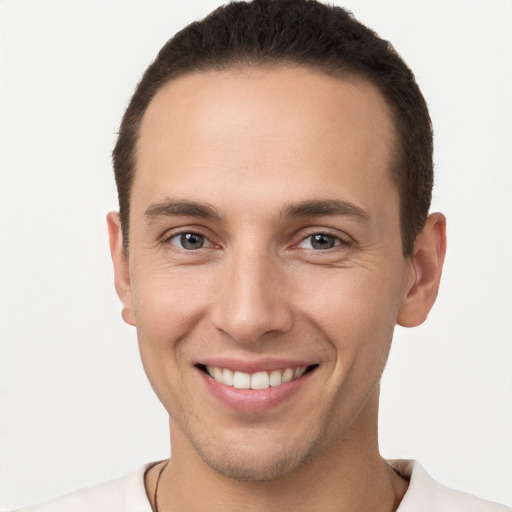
(427, 265)
(121, 268)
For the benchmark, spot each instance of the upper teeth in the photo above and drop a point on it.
(258, 380)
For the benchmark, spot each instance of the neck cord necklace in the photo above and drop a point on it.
(155, 508)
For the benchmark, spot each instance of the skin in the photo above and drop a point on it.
(252, 144)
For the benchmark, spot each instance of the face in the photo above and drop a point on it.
(265, 253)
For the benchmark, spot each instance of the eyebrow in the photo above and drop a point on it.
(180, 208)
(324, 207)
(310, 208)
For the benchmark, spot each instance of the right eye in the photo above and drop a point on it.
(190, 241)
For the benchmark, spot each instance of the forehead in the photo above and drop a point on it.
(290, 128)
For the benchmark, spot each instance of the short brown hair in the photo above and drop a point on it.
(298, 32)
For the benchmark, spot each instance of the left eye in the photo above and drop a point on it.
(190, 241)
(320, 241)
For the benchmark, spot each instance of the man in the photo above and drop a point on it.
(274, 170)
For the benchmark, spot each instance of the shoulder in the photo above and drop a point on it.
(426, 495)
(125, 494)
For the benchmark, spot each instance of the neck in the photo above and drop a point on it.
(351, 476)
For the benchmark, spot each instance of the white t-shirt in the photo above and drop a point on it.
(128, 494)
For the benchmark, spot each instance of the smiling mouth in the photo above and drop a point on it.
(258, 380)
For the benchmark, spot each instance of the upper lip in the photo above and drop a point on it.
(257, 365)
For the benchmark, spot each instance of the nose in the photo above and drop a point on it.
(253, 300)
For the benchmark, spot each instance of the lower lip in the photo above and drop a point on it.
(253, 400)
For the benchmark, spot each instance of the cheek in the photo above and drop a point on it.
(166, 313)
(354, 308)
(168, 306)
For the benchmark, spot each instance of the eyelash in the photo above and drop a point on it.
(338, 241)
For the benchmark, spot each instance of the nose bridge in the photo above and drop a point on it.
(252, 298)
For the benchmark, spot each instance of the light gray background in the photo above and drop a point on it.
(75, 407)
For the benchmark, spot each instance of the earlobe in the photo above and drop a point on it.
(121, 268)
(427, 263)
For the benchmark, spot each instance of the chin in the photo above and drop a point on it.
(254, 469)
(262, 462)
